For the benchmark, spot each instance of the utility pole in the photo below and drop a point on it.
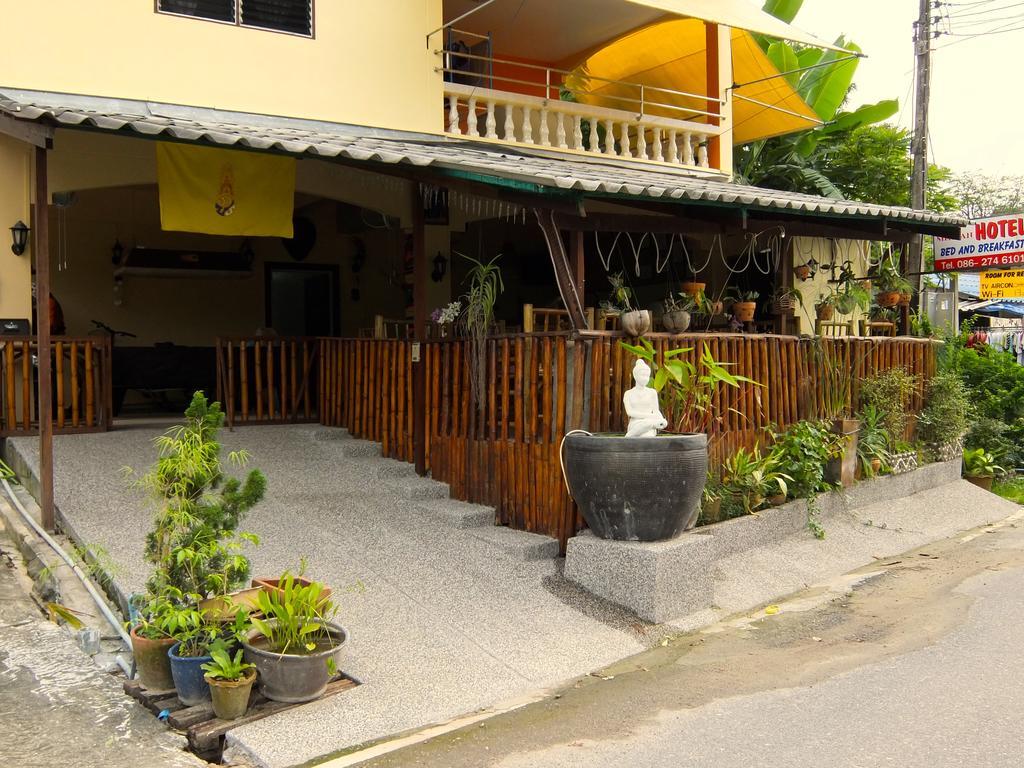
(919, 145)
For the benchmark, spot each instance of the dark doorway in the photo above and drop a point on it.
(302, 299)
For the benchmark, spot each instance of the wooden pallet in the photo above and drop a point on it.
(204, 731)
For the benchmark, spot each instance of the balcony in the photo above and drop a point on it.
(542, 107)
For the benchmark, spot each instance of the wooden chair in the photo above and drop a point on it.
(878, 328)
(384, 328)
(607, 320)
(833, 328)
(537, 320)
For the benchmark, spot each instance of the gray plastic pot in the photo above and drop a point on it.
(295, 678)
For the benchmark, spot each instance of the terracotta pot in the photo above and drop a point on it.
(692, 288)
(717, 307)
(744, 310)
(777, 500)
(677, 321)
(231, 697)
(887, 298)
(803, 272)
(904, 299)
(984, 483)
(152, 662)
(825, 312)
(876, 465)
(637, 322)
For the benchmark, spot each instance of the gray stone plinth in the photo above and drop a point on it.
(665, 580)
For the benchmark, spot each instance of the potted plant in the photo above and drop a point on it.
(980, 468)
(946, 416)
(635, 322)
(711, 500)
(872, 443)
(296, 646)
(891, 286)
(825, 308)
(745, 305)
(751, 478)
(194, 633)
(152, 638)
(225, 607)
(803, 272)
(485, 286)
(650, 488)
(230, 680)
(275, 585)
(692, 288)
(835, 383)
(785, 300)
(676, 318)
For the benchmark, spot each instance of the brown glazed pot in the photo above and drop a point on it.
(825, 312)
(152, 662)
(887, 298)
(985, 483)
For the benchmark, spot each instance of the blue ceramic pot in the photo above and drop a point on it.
(187, 672)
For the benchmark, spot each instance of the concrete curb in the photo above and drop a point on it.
(662, 581)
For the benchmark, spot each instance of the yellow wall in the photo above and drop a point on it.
(826, 251)
(15, 193)
(368, 64)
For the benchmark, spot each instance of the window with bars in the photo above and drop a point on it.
(293, 16)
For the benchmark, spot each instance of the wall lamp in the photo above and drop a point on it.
(19, 238)
(440, 267)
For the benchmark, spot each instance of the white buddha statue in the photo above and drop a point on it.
(641, 404)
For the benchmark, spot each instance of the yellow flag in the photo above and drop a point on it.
(225, 191)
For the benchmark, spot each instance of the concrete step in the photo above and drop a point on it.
(519, 545)
(383, 469)
(417, 488)
(359, 449)
(458, 514)
(331, 433)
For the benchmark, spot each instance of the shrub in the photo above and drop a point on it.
(889, 393)
(803, 450)
(992, 435)
(946, 415)
(194, 544)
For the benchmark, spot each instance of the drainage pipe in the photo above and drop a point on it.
(82, 576)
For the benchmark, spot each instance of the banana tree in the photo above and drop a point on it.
(793, 162)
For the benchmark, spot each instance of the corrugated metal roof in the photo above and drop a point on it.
(590, 176)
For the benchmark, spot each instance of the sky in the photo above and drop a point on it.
(975, 114)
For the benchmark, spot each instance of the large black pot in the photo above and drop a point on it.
(637, 488)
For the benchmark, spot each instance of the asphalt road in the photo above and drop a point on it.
(917, 665)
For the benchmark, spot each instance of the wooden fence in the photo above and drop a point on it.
(82, 391)
(269, 381)
(504, 451)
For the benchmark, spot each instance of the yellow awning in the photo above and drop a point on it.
(738, 14)
(672, 55)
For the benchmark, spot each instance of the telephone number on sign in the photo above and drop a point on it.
(976, 262)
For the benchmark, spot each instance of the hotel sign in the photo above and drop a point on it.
(984, 244)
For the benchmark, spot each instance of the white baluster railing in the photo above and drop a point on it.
(571, 126)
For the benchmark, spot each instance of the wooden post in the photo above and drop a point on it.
(719, 81)
(419, 324)
(579, 267)
(41, 249)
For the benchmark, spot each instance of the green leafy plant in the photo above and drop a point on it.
(687, 389)
(621, 299)
(872, 442)
(921, 325)
(680, 302)
(194, 544)
(485, 286)
(889, 393)
(826, 394)
(803, 450)
(296, 616)
(749, 477)
(740, 296)
(946, 415)
(979, 463)
(991, 434)
(224, 666)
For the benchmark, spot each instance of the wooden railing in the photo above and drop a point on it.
(81, 387)
(366, 387)
(269, 381)
(504, 451)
